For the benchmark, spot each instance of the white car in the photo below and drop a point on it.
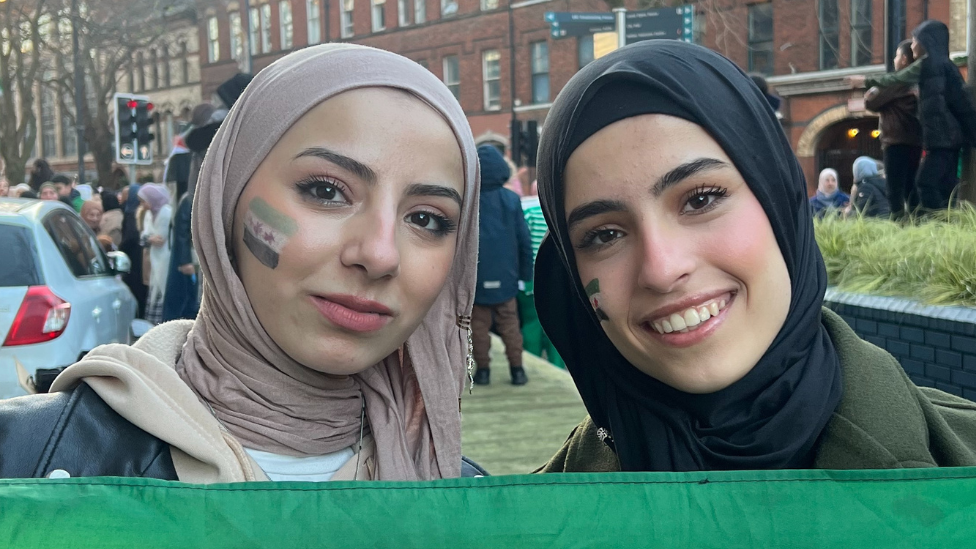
(60, 294)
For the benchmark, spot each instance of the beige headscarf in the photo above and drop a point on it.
(264, 397)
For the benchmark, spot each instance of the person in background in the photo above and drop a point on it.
(773, 99)
(41, 173)
(155, 237)
(4, 186)
(829, 196)
(534, 339)
(17, 191)
(48, 191)
(131, 245)
(901, 135)
(946, 112)
(177, 167)
(868, 193)
(91, 214)
(504, 263)
(67, 192)
(112, 218)
(514, 182)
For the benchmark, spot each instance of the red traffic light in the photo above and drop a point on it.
(149, 106)
(131, 104)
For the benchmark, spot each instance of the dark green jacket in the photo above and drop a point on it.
(884, 421)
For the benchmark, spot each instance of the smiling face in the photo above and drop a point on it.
(345, 234)
(92, 214)
(675, 251)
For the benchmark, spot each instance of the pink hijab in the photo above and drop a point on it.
(265, 398)
(155, 195)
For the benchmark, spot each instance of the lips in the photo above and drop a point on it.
(353, 313)
(689, 321)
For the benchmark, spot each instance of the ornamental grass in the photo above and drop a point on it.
(930, 260)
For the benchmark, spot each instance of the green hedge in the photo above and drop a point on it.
(933, 260)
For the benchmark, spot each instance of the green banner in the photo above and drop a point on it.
(791, 509)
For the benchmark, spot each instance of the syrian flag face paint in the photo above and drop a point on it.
(266, 231)
(593, 293)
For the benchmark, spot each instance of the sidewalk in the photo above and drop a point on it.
(512, 430)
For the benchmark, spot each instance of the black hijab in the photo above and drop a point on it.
(771, 418)
(110, 201)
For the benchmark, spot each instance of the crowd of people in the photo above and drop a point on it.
(356, 246)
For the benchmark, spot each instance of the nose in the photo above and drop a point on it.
(667, 258)
(371, 246)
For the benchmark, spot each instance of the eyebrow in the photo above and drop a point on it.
(420, 189)
(684, 171)
(591, 209)
(349, 164)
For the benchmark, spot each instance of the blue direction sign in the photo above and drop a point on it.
(676, 23)
(567, 24)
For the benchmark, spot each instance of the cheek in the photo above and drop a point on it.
(423, 273)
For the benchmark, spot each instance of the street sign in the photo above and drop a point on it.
(567, 24)
(676, 23)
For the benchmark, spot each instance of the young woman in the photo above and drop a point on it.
(695, 330)
(154, 199)
(335, 219)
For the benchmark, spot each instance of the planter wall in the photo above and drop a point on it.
(935, 345)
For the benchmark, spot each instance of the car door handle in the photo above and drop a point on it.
(97, 313)
(117, 304)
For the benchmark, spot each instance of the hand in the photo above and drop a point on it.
(856, 81)
(186, 269)
(155, 240)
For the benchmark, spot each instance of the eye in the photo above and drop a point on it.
(325, 191)
(598, 238)
(436, 224)
(703, 199)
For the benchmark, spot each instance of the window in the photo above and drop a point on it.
(540, 72)
(141, 69)
(76, 242)
(829, 34)
(266, 28)
(49, 123)
(284, 23)
(761, 38)
(313, 15)
(419, 11)
(164, 64)
(379, 16)
(448, 8)
(452, 75)
(403, 12)
(346, 7)
(491, 74)
(584, 50)
(236, 36)
(487, 5)
(698, 28)
(69, 134)
(153, 69)
(185, 61)
(861, 52)
(254, 29)
(213, 40)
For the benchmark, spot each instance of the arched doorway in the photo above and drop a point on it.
(842, 142)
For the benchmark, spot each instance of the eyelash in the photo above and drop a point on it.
(718, 193)
(307, 187)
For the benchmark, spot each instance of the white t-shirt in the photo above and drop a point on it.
(280, 467)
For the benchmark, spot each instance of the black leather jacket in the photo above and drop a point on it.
(75, 433)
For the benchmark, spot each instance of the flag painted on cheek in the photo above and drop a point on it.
(266, 231)
(593, 293)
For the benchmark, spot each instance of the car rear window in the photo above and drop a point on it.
(19, 265)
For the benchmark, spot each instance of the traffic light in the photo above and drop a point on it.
(144, 137)
(133, 122)
(525, 142)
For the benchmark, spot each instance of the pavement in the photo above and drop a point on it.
(514, 430)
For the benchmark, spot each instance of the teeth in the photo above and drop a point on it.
(713, 308)
(691, 318)
(704, 314)
(722, 304)
(666, 326)
(658, 327)
(677, 322)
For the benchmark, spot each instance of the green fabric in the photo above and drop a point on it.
(908, 75)
(883, 421)
(534, 338)
(537, 225)
(796, 509)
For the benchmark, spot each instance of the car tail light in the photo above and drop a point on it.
(42, 317)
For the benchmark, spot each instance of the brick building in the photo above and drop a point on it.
(806, 47)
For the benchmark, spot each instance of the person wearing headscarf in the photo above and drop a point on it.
(41, 173)
(131, 245)
(18, 190)
(336, 220)
(49, 191)
(91, 214)
(112, 218)
(155, 239)
(868, 194)
(829, 197)
(684, 287)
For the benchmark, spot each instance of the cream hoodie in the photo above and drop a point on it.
(140, 383)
